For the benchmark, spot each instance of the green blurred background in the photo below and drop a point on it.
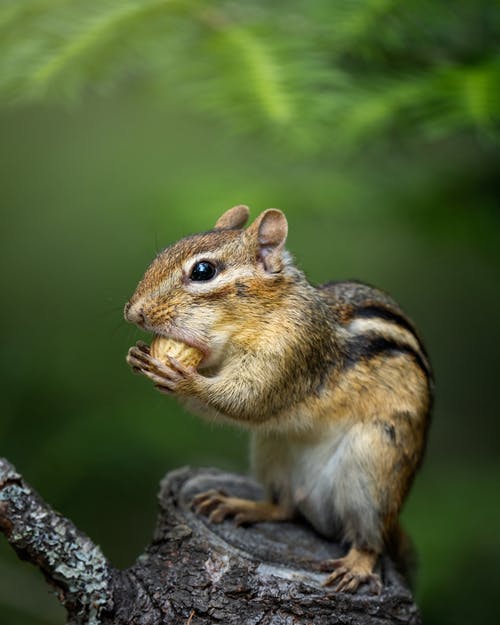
(127, 125)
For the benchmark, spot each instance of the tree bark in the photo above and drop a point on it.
(195, 572)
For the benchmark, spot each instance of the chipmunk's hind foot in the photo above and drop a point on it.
(218, 506)
(351, 571)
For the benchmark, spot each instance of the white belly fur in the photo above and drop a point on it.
(328, 478)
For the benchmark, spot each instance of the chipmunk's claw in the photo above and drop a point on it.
(344, 580)
(204, 503)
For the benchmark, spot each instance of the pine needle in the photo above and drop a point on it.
(98, 31)
(326, 75)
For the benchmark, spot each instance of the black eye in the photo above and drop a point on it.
(203, 271)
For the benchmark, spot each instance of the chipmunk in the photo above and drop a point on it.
(332, 380)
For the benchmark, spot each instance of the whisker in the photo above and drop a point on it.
(157, 245)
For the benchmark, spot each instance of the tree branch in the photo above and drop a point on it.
(68, 559)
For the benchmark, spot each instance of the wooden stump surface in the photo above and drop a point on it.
(261, 574)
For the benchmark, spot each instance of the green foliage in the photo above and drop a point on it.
(322, 75)
(372, 123)
(89, 196)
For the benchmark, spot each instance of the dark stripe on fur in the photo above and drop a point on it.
(366, 348)
(381, 312)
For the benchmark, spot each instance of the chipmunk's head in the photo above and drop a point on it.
(206, 288)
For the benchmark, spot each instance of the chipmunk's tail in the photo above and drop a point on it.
(402, 552)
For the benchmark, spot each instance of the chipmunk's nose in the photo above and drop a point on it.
(134, 313)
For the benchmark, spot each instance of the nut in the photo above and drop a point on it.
(187, 355)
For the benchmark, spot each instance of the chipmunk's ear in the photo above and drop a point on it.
(233, 218)
(270, 229)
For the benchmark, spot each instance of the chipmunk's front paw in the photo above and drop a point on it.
(168, 377)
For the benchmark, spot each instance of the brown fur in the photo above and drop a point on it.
(333, 380)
